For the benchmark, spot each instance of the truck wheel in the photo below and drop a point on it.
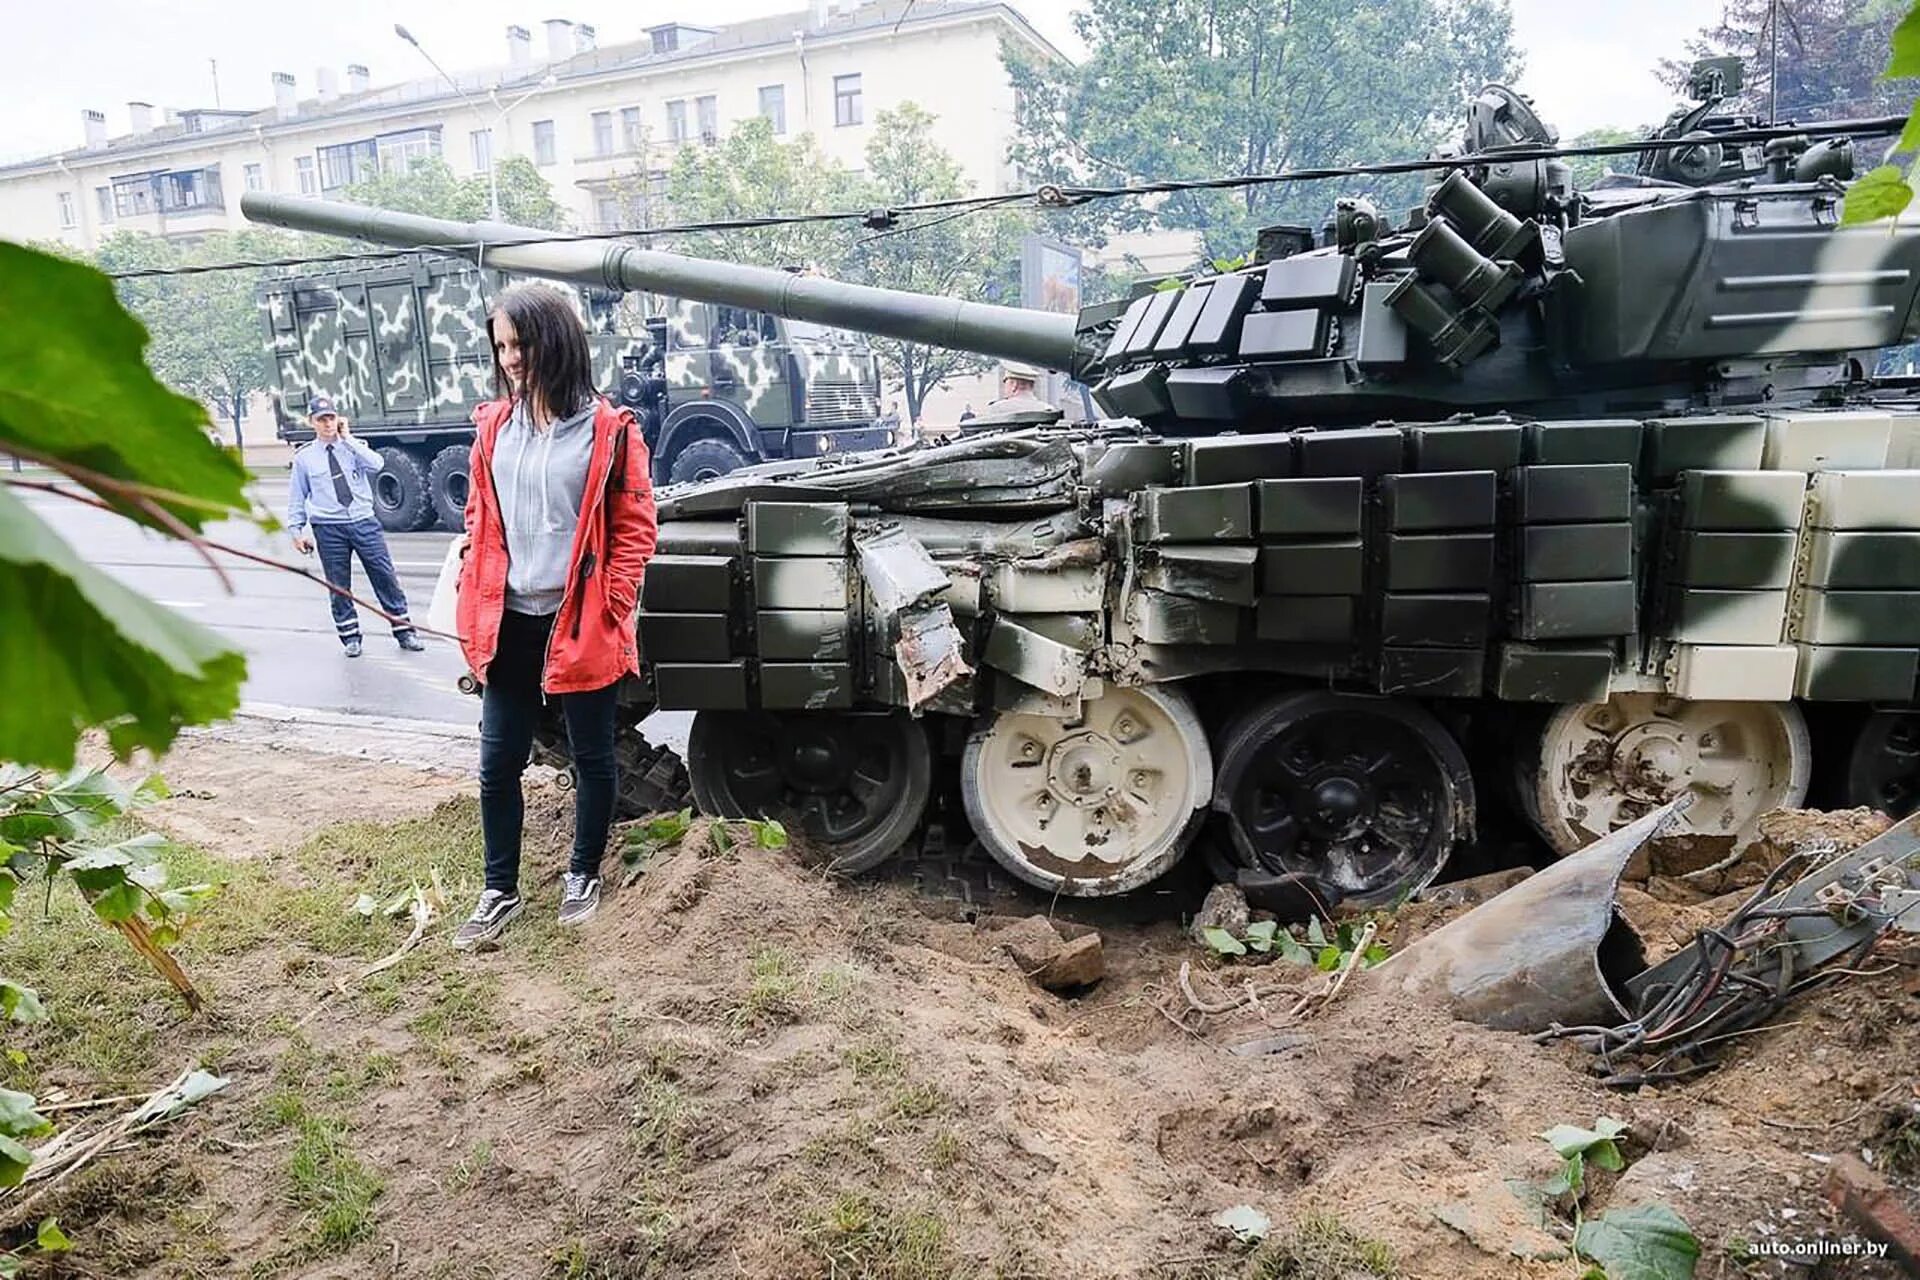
(400, 492)
(704, 460)
(447, 483)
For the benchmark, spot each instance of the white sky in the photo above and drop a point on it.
(1587, 65)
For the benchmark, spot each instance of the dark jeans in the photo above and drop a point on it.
(338, 544)
(509, 710)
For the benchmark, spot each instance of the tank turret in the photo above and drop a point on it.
(1537, 504)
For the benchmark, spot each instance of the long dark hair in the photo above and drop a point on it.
(555, 361)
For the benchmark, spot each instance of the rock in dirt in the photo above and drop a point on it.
(1495, 1219)
(1225, 907)
(1079, 963)
(1659, 1178)
(1474, 890)
(1032, 941)
(1865, 1197)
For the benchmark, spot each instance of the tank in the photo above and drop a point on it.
(401, 346)
(1533, 500)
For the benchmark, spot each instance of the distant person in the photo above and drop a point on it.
(330, 504)
(966, 412)
(560, 526)
(1017, 382)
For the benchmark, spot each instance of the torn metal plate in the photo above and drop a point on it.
(897, 569)
(930, 654)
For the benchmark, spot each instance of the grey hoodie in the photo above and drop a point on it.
(540, 477)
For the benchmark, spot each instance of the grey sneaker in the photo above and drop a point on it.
(579, 898)
(489, 919)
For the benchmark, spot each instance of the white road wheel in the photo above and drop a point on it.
(1604, 764)
(1093, 806)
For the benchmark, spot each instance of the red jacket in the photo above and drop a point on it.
(593, 642)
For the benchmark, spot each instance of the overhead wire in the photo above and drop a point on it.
(1056, 196)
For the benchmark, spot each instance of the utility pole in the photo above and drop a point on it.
(214, 66)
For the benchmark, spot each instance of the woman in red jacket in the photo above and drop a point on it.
(560, 523)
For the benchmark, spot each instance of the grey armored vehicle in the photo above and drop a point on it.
(401, 346)
(1568, 501)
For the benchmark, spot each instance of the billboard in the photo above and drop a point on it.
(1049, 276)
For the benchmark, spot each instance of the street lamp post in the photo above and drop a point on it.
(493, 96)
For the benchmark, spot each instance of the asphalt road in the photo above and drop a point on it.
(281, 621)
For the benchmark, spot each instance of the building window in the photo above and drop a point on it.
(133, 195)
(606, 211)
(66, 208)
(676, 121)
(657, 184)
(191, 191)
(399, 152)
(603, 133)
(255, 180)
(846, 100)
(543, 142)
(303, 171)
(346, 163)
(480, 144)
(629, 128)
(103, 196)
(773, 106)
(706, 113)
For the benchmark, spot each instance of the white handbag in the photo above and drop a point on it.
(443, 614)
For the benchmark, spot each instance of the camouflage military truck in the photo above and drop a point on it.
(402, 347)
(1568, 502)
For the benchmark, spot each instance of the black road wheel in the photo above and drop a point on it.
(1366, 795)
(447, 485)
(400, 499)
(1884, 768)
(703, 460)
(854, 785)
(652, 779)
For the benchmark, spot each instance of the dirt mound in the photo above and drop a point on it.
(743, 1068)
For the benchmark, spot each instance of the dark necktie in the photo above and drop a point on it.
(340, 489)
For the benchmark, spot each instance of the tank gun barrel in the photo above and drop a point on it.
(1006, 333)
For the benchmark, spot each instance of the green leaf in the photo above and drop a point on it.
(1222, 941)
(1343, 937)
(1875, 194)
(666, 828)
(1647, 1242)
(1374, 954)
(1316, 936)
(20, 1004)
(14, 1162)
(1904, 56)
(21, 828)
(197, 1085)
(122, 902)
(144, 672)
(9, 1265)
(187, 899)
(18, 1119)
(8, 883)
(151, 788)
(1567, 1178)
(1263, 930)
(51, 1238)
(1606, 1155)
(1570, 1139)
(74, 384)
(767, 833)
(1291, 950)
(1328, 960)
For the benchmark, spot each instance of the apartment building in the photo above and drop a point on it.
(601, 118)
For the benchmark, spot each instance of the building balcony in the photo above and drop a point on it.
(197, 221)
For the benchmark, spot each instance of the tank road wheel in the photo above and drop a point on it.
(1884, 768)
(400, 498)
(447, 484)
(1604, 764)
(854, 785)
(1365, 795)
(1093, 806)
(652, 778)
(704, 460)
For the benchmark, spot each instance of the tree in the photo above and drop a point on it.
(975, 255)
(1590, 169)
(1831, 52)
(754, 175)
(1210, 88)
(429, 187)
(207, 337)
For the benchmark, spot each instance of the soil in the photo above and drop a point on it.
(743, 1068)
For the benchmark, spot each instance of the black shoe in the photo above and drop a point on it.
(490, 917)
(579, 898)
(410, 642)
(353, 648)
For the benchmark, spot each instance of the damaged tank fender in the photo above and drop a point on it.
(1552, 949)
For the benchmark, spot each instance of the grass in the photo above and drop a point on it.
(773, 989)
(325, 1180)
(475, 1162)
(854, 1234)
(1321, 1247)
